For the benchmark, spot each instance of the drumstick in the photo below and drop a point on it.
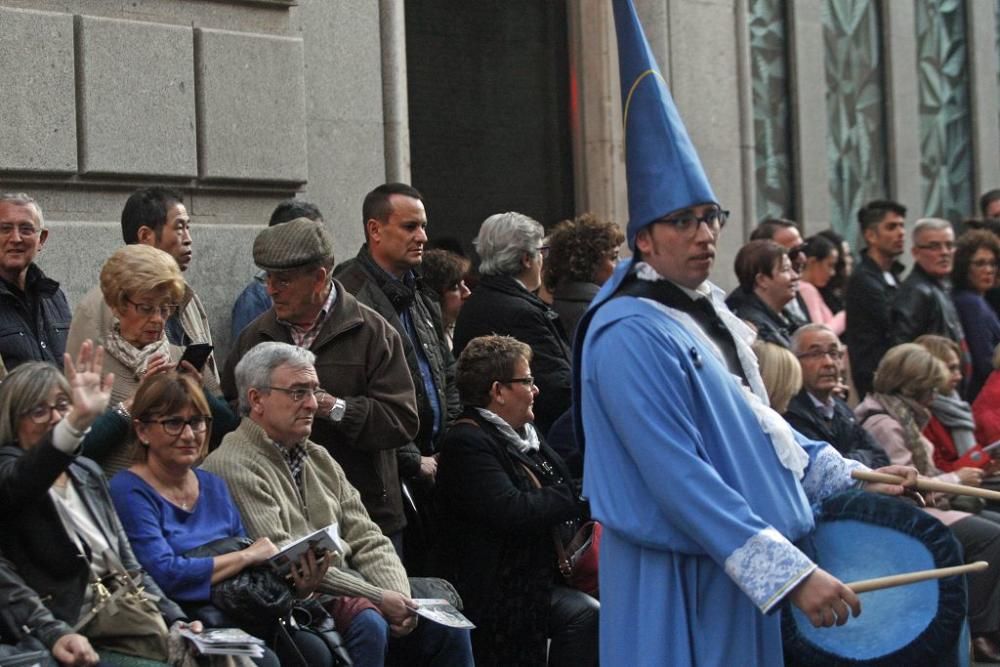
(878, 583)
(924, 484)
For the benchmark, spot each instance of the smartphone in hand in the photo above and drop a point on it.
(196, 354)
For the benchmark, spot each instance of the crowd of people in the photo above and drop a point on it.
(438, 426)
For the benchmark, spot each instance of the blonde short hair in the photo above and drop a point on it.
(911, 371)
(137, 270)
(781, 373)
(939, 346)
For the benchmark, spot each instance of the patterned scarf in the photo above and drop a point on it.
(912, 417)
(525, 444)
(956, 415)
(134, 358)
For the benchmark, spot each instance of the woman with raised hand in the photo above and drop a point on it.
(59, 529)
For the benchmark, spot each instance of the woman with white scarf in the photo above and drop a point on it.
(143, 287)
(497, 542)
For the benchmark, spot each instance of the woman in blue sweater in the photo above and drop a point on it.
(168, 507)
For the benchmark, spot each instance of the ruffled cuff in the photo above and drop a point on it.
(767, 567)
(829, 473)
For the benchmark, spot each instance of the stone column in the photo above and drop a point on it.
(981, 26)
(595, 106)
(395, 105)
(902, 106)
(809, 119)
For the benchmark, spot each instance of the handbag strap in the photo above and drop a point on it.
(562, 558)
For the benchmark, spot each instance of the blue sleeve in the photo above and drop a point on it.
(142, 514)
(250, 304)
(661, 455)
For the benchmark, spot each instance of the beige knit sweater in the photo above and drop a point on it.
(271, 506)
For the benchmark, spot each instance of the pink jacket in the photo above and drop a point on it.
(819, 312)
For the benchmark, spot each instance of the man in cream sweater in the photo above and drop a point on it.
(286, 487)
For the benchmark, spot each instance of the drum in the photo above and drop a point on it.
(865, 535)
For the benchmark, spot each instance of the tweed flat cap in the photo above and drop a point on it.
(292, 244)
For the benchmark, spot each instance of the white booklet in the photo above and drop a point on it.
(225, 641)
(443, 612)
(323, 540)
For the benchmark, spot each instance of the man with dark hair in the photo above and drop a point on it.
(385, 277)
(870, 289)
(154, 217)
(368, 410)
(253, 301)
(816, 411)
(989, 204)
(34, 313)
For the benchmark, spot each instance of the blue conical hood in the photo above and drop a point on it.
(663, 170)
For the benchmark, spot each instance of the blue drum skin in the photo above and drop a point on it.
(862, 536)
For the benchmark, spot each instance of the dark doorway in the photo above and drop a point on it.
(489, 120)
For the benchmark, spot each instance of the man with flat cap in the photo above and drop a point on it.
(700, 486)
(370, 409)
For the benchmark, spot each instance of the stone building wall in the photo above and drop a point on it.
(235, 103)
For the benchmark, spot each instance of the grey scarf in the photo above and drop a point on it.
(956, 415)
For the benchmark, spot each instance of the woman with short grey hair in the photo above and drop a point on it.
(503, 241)
(512, 252)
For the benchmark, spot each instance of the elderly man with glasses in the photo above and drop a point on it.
(817, 411)
(369, 410)
(287, 486)
(923, 303)
(34, 313)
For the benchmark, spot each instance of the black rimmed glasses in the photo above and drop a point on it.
(166, 310)
(298, 394)
(175, 425)
(938, 246)
(687, 223)
(983, 264)
(527, 381)
(834, 353)
(42, 413)
(25, 229)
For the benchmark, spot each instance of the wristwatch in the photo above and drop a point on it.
(336, 413)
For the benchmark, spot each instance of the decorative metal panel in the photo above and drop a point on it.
(855, 107)
(771, 111)
(945, 121)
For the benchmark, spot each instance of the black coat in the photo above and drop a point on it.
(22, 612)
(843, 431)
(500, 305)
(771, 326)
(571, 301)
(33, 538)
(868, 302)
(34, 336)
(496, 545)
(374, 288)
(923, 306)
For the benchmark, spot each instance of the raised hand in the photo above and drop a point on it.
(89, 391)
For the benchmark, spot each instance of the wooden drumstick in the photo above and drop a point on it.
(879, 583)
(924, 484)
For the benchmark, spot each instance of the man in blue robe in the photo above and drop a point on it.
(701, 487)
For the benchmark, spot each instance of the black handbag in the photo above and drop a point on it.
(256, 593)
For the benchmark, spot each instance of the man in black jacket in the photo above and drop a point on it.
(870, 290)
(34, 313)
(817, 412)
(384, 276)
(923, 304)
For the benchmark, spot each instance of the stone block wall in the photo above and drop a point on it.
(237, 104)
